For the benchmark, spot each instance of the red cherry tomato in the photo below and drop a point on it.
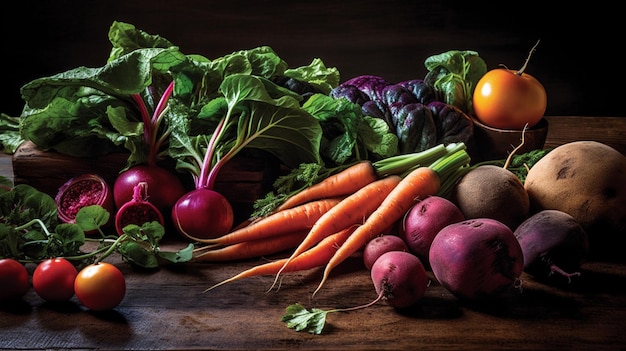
(100, 286)
(507, 100)
(14, 279)
(53, 279)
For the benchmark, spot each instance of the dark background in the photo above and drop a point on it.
(578, 60)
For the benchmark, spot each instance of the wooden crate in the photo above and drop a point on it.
(242, 180)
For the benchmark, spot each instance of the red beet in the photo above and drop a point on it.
(477, 258)
(379, 245)
(165, 187)
(137, 211)
(400, 278)
(81, 191)
(202, 214)
(424, 220)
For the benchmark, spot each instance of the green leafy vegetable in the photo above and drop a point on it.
(454, 75)
(10, 137)
(30, 232)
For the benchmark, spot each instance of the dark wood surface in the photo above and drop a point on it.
(167, 308)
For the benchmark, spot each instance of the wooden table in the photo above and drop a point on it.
(167, 308)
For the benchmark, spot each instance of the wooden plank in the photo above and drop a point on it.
(608, 130)
(242, 180)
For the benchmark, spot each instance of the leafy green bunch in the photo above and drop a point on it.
(30, 232)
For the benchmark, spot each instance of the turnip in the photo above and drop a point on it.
(424, 220)
(553, 243)
(489, 191)
(476, 258)
(584, 179)
(379, 245)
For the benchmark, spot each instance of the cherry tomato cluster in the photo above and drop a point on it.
(100, 286)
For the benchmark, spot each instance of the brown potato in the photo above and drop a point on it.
(587, 180)
(489, 191)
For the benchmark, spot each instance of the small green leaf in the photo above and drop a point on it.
(297, 317)
(183, 255)
(92, 217)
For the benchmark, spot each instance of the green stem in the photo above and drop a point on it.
(451, 167)
(34, 221)
(401, 164)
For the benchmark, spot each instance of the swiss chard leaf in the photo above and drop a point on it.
(68, 111)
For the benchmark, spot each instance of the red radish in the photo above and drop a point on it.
(165, 186)
(379, 245)
(400, 278)
(138, 210)
(424, 220)
(554, 245)
(81, 191)
(202, 214)
(476, 258)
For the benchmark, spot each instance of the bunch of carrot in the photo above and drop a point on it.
(329, 221)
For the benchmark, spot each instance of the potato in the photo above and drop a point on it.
(585, 179)
(490, 191)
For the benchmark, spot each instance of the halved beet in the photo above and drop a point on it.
(82, 191)
(138, 210)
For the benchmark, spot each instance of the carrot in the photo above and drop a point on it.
(249, 249)
(345, 182)
(350, 211)
(314, 257)
(418, 184)
(298, 218)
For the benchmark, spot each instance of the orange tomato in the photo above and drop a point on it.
(508, 99)
(100, 286)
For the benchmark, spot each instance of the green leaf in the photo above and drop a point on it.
(183, 255)
(291, 134)
(125, 38)
(10, 137)
(454, 75)
(316, 74)
(92, 217)
(299, 318)
(24, 203)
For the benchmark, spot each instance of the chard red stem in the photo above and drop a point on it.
(151, 124)
(210, 150)
(240, 143)
(145, 117)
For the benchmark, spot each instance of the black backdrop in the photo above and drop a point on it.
(578, 59)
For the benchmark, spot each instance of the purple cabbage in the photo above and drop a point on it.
(415, 128)
(372, 86)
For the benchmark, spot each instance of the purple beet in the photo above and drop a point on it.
(554, 245)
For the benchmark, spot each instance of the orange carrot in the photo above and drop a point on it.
(317, 256)
(418, 184)
(350, 211)
(249, 249)
(298, 218)
(345, 182)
